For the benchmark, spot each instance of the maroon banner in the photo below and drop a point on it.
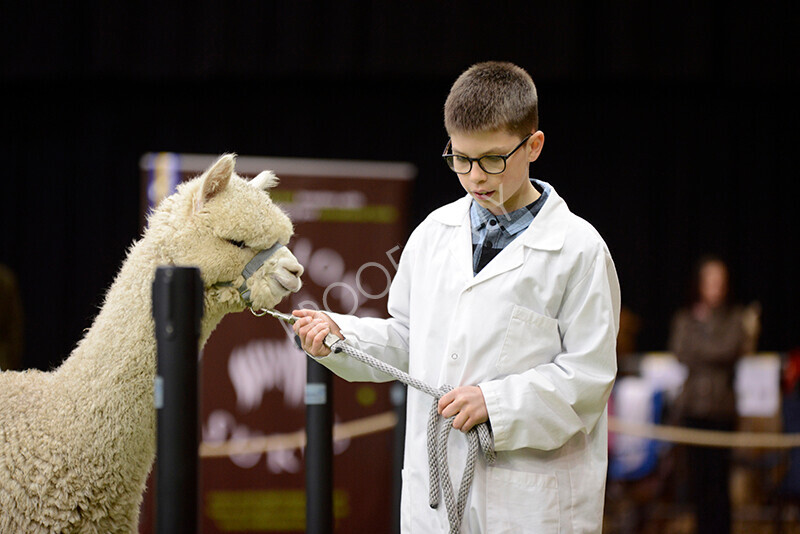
(350, 224)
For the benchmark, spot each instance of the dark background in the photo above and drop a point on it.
(672, 129)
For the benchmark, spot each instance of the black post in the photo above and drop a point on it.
(397, 394)
(319, 449)
(177, 310)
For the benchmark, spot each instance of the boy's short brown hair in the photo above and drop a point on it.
(493, 95)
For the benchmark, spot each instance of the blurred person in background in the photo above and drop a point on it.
(709, 336)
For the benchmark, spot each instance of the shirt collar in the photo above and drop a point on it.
(512, 223)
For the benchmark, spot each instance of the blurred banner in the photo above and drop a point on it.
(350, 222)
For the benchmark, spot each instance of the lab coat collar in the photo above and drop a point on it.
(546, 232)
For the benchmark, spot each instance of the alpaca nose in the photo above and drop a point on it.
(296, 270)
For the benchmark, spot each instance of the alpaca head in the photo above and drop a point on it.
(219, 222)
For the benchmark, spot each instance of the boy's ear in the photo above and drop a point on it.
(537, 142)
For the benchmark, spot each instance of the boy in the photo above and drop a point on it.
(513, 300)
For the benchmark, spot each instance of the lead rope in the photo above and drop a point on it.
(438, 432)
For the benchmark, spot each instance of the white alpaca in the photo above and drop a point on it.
(77, 443)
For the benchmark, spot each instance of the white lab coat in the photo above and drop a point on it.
(536, 330)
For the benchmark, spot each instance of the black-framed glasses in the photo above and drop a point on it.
(490, 163)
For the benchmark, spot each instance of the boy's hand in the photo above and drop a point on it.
(312, 327)
(467, 404)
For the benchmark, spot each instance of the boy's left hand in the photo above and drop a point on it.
(467, 404)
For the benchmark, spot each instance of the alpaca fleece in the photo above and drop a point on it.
(77, 443)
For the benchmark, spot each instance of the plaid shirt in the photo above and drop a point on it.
(491, 233)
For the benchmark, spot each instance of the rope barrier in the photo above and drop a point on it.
(387, 420)
(297, 440)
(708, 438)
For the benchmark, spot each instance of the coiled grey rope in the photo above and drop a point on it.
(438, 431)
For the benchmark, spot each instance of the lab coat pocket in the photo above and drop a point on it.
(416, 515)
(518, 501)
(406, 506)
(531, 339)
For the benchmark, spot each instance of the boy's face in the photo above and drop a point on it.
(510, 190)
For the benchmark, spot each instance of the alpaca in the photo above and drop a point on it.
(77, 443)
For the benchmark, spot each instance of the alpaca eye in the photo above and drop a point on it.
(236, 243)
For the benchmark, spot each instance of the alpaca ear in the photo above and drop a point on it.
(265, 180)
(217, 177)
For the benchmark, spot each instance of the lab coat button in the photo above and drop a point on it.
(454, 356)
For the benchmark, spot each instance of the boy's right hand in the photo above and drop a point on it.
(312, 327)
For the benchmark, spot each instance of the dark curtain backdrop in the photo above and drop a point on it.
(673, 130)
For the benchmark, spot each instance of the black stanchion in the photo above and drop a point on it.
(177, 311)
(319, 449)
(397, 394)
